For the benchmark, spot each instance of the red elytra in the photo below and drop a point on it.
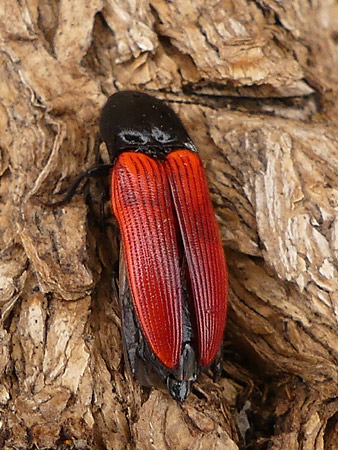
(148, 196)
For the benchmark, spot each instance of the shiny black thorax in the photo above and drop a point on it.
(136, 121)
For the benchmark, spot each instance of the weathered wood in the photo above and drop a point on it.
(255, 83)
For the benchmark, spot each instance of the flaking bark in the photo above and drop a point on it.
(255, 83)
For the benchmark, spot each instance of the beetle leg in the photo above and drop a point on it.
(94, 172)
(114, 283)
(103, 198)
(130, 333)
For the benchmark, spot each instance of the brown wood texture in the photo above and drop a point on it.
(255, 83)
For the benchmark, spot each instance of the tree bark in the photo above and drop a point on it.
(255, 83)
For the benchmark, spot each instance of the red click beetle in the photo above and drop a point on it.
(172, 275)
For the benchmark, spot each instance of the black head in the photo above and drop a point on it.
(132, 120)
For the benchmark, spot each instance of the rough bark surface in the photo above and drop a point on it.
(255, 83)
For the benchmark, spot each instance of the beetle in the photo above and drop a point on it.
(172, 270)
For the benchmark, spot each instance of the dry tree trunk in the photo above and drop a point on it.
(255, 82)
